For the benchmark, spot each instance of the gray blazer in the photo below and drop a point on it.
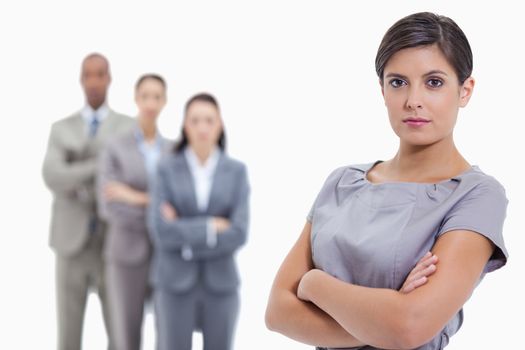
(69, 172)
(128, 239)
(215, 266)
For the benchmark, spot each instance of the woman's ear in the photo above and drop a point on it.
(466, 90)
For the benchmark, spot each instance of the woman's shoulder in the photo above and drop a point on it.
(233, 163)
(348, 174)
(168, 144)
(170, 160)
(476, 180)
(122, 140)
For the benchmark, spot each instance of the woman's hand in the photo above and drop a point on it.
(419, 274)
(416, 278)
(168, 212)
(221, 224)
(309, 279)
(119, 192)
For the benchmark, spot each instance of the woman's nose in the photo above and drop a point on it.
(414, 99)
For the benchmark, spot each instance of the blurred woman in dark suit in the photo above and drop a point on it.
(199, 219)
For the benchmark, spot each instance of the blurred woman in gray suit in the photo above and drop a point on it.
(199, 219)
(125, 170)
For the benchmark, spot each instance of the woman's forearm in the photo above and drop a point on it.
(305, 322)
(377, 316)
(295, 318)
(140, 198)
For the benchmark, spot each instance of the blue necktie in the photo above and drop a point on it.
(92, 224)
(93, 125)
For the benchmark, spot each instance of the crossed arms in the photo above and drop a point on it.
(312, 307)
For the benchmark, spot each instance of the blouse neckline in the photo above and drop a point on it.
(404, 183)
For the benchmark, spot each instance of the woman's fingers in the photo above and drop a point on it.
(427, 271)
(111, 192)
(168, 212)
(414, 284)
(425, 267)
(425, 262)
(421, 264)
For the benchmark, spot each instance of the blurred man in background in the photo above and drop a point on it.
(77, 233)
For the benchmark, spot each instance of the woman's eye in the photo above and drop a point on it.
(435, 83)
(397, 83)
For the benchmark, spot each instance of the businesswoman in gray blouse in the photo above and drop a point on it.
(199, 219)
(339, 285)
(126, 168)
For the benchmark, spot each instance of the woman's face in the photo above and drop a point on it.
(150, 97)
(422, 94)
(203, 125)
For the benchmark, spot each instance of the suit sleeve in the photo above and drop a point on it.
(188, 231)
(109, 170)
(233, 238)
(62, 175)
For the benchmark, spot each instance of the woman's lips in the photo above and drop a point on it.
(416, 121)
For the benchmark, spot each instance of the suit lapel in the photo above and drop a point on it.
(106, 127)
(135, 157)
(79, 129)
(78, 142)
(219, 181)
(167, 145)
(184, 181)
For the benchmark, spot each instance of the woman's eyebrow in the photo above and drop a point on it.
(435, 71)
(396, 75)
(404, 77)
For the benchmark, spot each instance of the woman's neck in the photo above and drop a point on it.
(433, 163)
(202, 153)
(149, 130)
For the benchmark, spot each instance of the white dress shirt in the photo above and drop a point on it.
(87, 114)
(150, 151)
(202, 175)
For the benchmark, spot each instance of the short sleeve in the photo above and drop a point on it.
(482, 210)
(310, 215)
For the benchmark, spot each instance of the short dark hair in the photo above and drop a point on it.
(201, 97)
(96, 55)
(425, 28)
(152, 76)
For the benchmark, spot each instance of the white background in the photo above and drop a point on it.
(299, 97)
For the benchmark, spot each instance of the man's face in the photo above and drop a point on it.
(95, 80)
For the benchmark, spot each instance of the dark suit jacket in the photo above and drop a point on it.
(127, 240)
(69, 171)
(215, 266)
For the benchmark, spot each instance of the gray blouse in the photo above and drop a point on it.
(374, 234)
